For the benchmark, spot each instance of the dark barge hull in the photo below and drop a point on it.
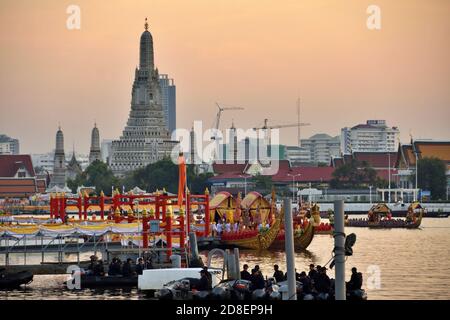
(15, 280)
(108, 282)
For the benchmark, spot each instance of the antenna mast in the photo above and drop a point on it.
(298, 122)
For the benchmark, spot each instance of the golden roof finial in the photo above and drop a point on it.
(146, 25)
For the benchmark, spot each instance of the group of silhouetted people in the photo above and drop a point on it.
(118, 268)
(315, 281)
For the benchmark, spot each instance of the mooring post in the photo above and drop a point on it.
(339, 251)
(237, 264)
(289, 247)
(193, 245)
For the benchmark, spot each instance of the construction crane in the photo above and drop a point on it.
(266, 129)
(219, 113)
(265, 126)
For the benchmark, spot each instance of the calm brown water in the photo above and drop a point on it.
(411, 264)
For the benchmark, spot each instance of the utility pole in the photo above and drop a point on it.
(289, 247)
(339, 250)
(298, 121)
(389, 175)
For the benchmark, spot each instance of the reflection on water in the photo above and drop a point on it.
(413, 264)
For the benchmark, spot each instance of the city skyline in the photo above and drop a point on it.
(260, 57)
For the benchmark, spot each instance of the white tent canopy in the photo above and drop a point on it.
(56, 189)
(137, 190)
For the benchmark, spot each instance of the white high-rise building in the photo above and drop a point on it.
(8, 145)
(373, 136)
(322, 147)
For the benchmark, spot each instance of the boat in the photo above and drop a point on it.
(254, 207)
(255, 240)
(90, 281)
(15, 279)
(380, 217)
(302, 236)
(152, 280)
(185, 289)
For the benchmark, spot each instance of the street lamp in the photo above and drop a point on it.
(245, 184)
(293, 184)
(389, 175)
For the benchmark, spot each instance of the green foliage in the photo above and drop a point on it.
(262, 182)
(354, 175)
(164, 174)
(158, 175)
(432, 176)
(97, 174)
(197, 183)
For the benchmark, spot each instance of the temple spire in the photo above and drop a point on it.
(146, 25)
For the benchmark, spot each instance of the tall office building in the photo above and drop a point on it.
(373, 136)
(169, 102)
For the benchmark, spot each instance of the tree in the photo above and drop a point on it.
(197, 183)
(98, 175)
(158, 175)
(164, 174)
(432, 176)
(262, 182)
(353, 175)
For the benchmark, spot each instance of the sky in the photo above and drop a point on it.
(257, 54)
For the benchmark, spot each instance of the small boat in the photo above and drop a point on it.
(14, 280)
(185, 289)
(380, 217)
(91, 281)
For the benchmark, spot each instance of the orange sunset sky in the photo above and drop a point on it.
(257, 54)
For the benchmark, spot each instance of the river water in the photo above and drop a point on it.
(396, 264)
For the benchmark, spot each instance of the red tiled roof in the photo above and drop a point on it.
(220, 168)
(230, 175)
(17, 187)
(9, 164)
(337, 162)
(377, 159)
(307, 174)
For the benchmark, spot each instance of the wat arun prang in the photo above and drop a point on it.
(145, 138)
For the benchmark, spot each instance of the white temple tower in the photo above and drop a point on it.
(95, 152)
(59, 167)
(145, 138)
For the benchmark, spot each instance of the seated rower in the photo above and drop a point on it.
(140, 266)
(99, 270)
(127, 269)
(245, 275)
